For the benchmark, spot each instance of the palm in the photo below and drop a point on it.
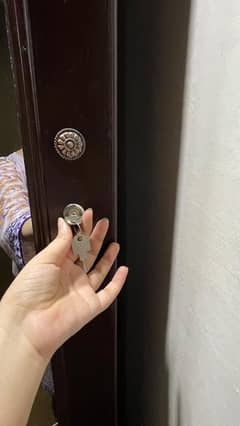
(59, 298)
(66, 307)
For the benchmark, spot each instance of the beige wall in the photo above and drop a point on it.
(203, 350)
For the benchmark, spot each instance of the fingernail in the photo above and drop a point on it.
(106, 219)
(125, 268)
(61, 224)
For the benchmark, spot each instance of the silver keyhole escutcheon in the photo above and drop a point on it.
(70, 144)
(73, 214)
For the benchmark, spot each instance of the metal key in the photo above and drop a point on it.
(73, 214)
(81, 247)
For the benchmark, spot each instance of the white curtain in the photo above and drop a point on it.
(203, 344)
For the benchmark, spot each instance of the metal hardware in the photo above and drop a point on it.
(73, 214)
(70, 144)
(81, 246)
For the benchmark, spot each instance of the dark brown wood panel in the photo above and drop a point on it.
(73, 55)
(65, 68)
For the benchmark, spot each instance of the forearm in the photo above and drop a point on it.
(21, 370)
(27, 229)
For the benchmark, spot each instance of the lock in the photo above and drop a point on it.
(73, 214)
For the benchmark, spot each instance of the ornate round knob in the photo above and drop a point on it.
(70, 144)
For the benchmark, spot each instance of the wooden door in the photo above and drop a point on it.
(65, 66)
(65, 57)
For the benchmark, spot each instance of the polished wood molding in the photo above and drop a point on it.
(64, 57)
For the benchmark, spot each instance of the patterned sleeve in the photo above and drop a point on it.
(14, 210)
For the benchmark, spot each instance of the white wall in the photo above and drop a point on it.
(203, 348)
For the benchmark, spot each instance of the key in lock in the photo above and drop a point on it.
(73, 214)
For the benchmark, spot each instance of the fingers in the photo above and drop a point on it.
(60, 248)
(87, 222)
(96, 237)
(57, 251)
(103, 267)
(96, 241)
(111, 291)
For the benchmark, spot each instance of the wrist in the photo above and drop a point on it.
(18, 348)
(22, 368)
(12, 336)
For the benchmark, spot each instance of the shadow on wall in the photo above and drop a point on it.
(152, 58)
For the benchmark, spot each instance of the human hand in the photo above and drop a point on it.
(52, 297)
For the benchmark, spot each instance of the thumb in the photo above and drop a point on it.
(58, 249)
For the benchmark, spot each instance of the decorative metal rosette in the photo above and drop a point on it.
(70, 144)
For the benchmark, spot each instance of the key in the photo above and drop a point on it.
(81, 247)
(73, 214)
